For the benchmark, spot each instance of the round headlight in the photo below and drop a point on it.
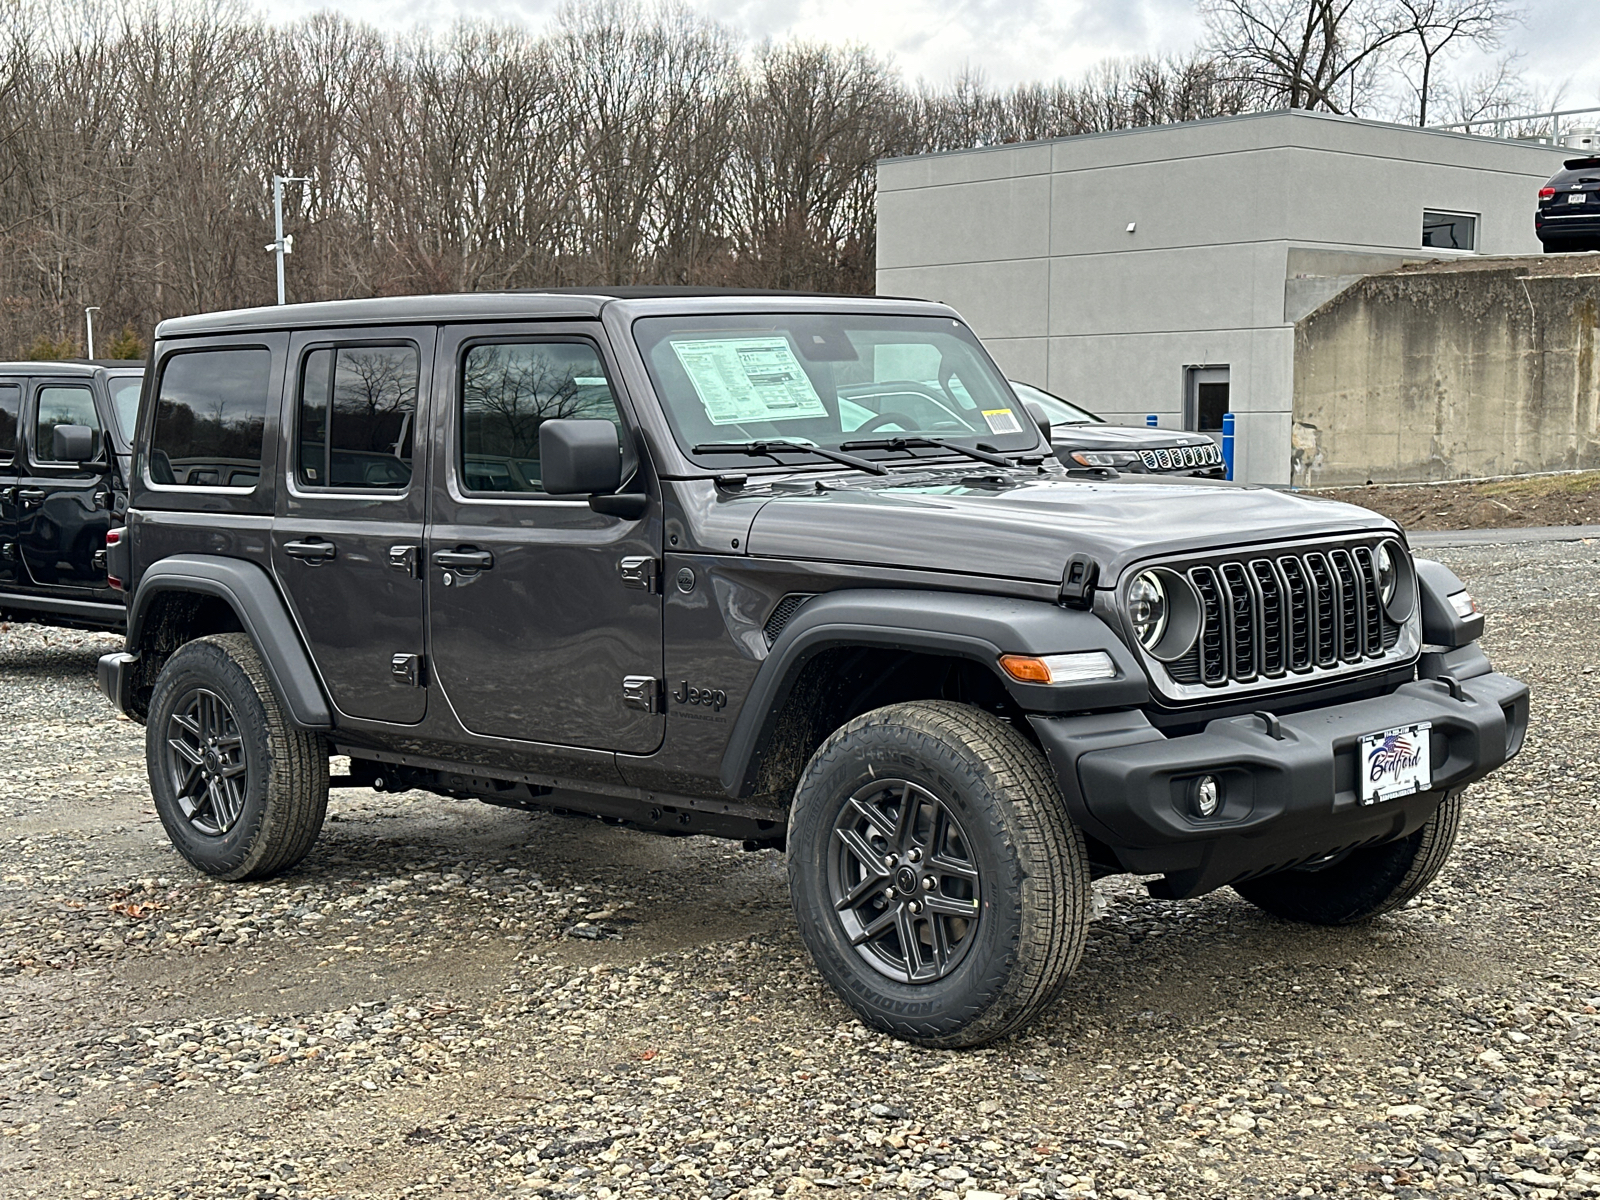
(1147, 609)
(1397, 581)
(1386, 574)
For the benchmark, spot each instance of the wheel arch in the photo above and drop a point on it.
(187, 596)
(846, 652)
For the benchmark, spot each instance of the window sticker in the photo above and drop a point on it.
(749, 379)
(1001, 420)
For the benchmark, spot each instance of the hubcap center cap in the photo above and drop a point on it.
(213, 762)
(906, 880)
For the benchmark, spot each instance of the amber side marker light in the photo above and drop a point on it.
(1059, 668)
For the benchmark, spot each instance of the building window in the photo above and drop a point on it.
(1449, 231)
(1206, 399)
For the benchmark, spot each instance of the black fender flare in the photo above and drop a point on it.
(954, 624)
(252, 595)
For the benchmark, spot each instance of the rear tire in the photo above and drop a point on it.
(970, 815)
(1365, 883)
(241, 792)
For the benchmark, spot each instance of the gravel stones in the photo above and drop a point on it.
(453, 999)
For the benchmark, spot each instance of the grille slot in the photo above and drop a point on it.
(1275, 618)
(783, 612)
(1181, 458)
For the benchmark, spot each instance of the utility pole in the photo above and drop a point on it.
(88, 319)
(281, 245)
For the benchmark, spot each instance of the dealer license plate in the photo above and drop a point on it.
(1578, 198)
(1395, 763)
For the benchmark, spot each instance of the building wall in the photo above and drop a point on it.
(1240, 226)
(1450, 375)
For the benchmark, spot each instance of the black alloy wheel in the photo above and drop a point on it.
(903, 882)
(206, 762)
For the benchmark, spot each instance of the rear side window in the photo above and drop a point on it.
(211, 408)
(508, 390)
(357, 409)
(60, 405)
(10, 409)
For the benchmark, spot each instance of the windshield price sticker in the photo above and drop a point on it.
(1001, 420)
(749, 379)
(1395, 763)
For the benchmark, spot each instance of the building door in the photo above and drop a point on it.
(62, 515)
(534, 622)
(1205, 400)
(10, 415)
(347, 536)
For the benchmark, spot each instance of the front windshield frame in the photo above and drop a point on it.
(1052, 404)
(965, 399)
(125, 402)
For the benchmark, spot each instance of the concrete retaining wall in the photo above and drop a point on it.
(1450, 371)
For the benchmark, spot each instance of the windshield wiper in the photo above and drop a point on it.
(771, 449)
(906, 443)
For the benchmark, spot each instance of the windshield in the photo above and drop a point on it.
(1057, 409)
(829, 380)
(125, 400)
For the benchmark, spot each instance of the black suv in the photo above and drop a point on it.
(1568, 216)
(732, 565)
(64, 457)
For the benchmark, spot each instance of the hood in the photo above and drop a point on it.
(1026, 527)
(1121, 437)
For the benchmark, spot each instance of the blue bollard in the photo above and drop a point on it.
(1227, 443)
(1150, 420)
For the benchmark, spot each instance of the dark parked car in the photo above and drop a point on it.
(1082, 440)
(789, 569)
(64, 457)
(1568, 217)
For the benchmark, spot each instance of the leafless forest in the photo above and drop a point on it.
(624, 144)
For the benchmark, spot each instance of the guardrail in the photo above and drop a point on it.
(1530, 127)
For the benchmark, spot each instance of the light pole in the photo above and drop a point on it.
(88, 319)
(281, 245)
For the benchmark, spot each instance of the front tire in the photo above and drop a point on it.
(938, 883)
(1365, 883)
(240, 791)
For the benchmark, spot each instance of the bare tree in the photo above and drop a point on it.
(1436, 29)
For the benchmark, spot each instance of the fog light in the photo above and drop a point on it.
(1207, 795)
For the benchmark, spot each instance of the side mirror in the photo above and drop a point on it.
(1040, 418)
(72, 444)
(579, 457)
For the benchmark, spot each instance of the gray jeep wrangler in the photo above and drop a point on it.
(794, 570)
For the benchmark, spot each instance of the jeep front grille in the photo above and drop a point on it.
(1275, 616)
(1181, 458)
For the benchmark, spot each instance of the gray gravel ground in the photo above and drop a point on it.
(452, 999)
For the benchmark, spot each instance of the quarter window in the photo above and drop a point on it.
(10, 408)
(211, 410)
(358, 405)
(60, 406)
(510, 389)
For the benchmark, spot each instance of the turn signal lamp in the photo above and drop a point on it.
(1059, 668)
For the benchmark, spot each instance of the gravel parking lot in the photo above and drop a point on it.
(453, 999)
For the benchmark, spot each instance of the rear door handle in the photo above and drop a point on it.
(312, 552)
(463, 560)
(31, 496)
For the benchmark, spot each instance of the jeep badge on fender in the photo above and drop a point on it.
(955, 679)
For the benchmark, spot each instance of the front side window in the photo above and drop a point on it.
(830, 380)
(10, 411)
(211, 411)
(508, 390)
(60, 405)
(358, 406)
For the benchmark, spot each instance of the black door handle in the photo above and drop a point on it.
(312, 552)
(463, 560)
(30, 496)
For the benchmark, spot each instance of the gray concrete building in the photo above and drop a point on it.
(1162, 270)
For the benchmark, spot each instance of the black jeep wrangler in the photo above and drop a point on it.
(789, 569)
(64, 460)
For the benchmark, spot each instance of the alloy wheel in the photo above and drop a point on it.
(206, 762)
(903, 881)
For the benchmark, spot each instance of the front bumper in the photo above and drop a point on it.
(1290, 788)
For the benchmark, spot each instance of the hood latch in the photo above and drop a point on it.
(1077, 582)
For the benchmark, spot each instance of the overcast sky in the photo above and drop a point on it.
(1010, 41)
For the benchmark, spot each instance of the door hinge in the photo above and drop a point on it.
(644, 692)
(407, 669)
(640, 572)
